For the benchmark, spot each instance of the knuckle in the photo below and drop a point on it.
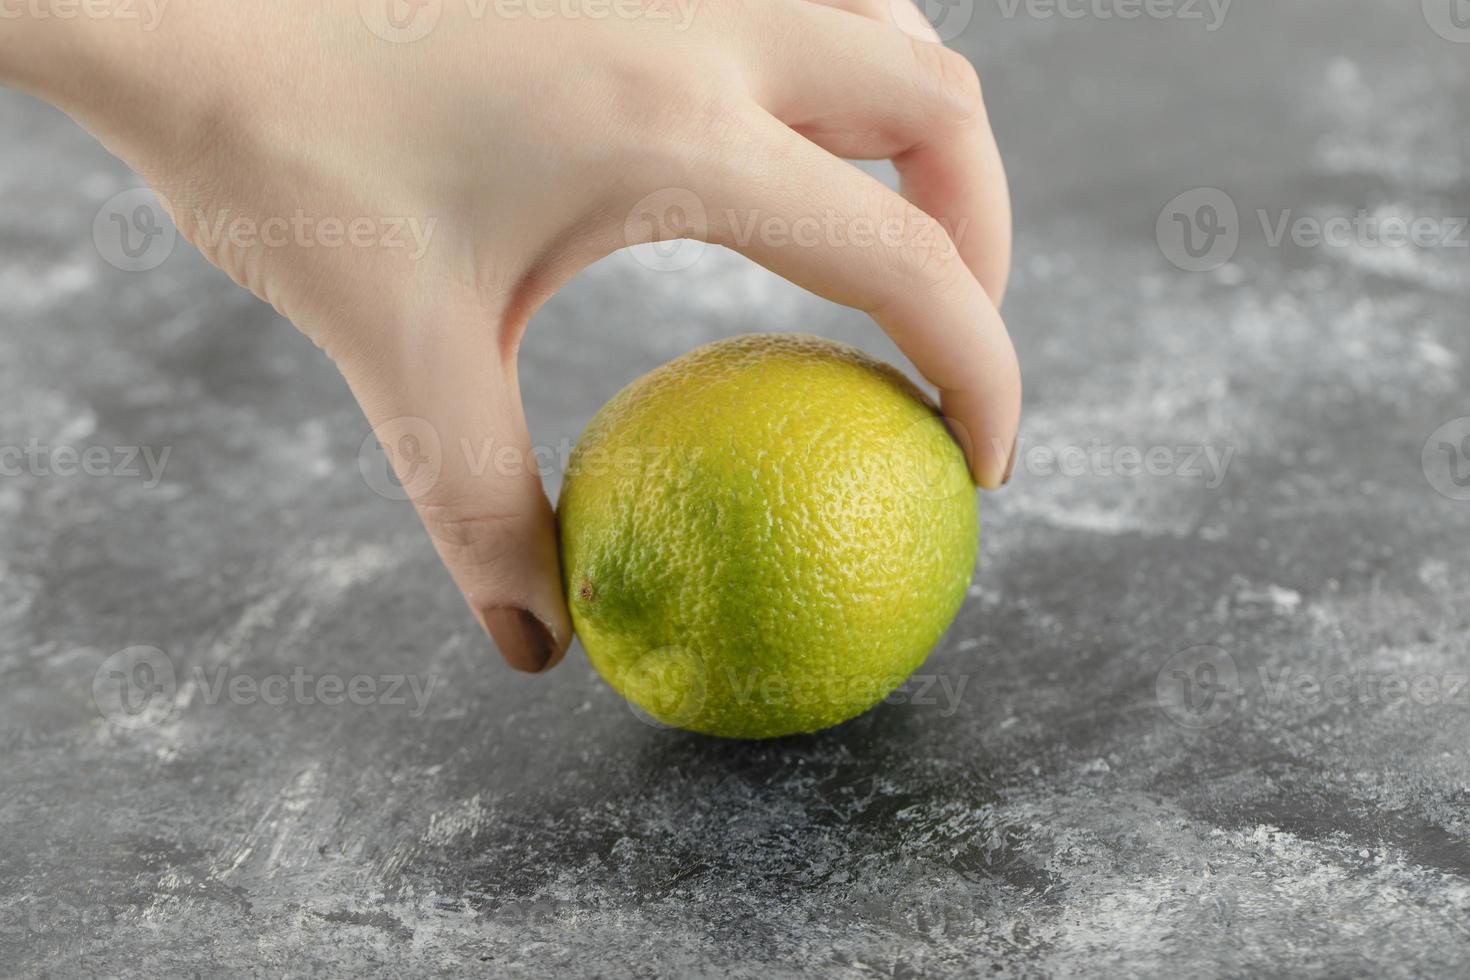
(663, 121)
(919, 249)
(695, 131)
(701, 97)
(950, 76)
(635, 96)
(473, 539)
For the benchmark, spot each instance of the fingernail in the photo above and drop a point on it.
(524, 641)
(1010, 464)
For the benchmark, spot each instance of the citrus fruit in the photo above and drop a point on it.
(765, 536)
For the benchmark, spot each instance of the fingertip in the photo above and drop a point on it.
(526, 643)
(991, 454)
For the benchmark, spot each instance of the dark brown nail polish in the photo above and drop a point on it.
(524, 640)
(1010, 463)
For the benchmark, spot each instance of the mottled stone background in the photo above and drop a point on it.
(1097, 798)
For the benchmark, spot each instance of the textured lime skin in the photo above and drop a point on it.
(765, 536)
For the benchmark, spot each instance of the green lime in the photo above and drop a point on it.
(765, 536)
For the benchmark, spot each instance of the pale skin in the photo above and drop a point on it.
(531, 142)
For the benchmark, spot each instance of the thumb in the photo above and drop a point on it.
(445, 407)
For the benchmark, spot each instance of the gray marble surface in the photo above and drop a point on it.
(1209, 720)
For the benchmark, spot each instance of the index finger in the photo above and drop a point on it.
(954, 172)
(915, 285)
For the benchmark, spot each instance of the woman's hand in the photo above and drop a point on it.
(522, 147)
